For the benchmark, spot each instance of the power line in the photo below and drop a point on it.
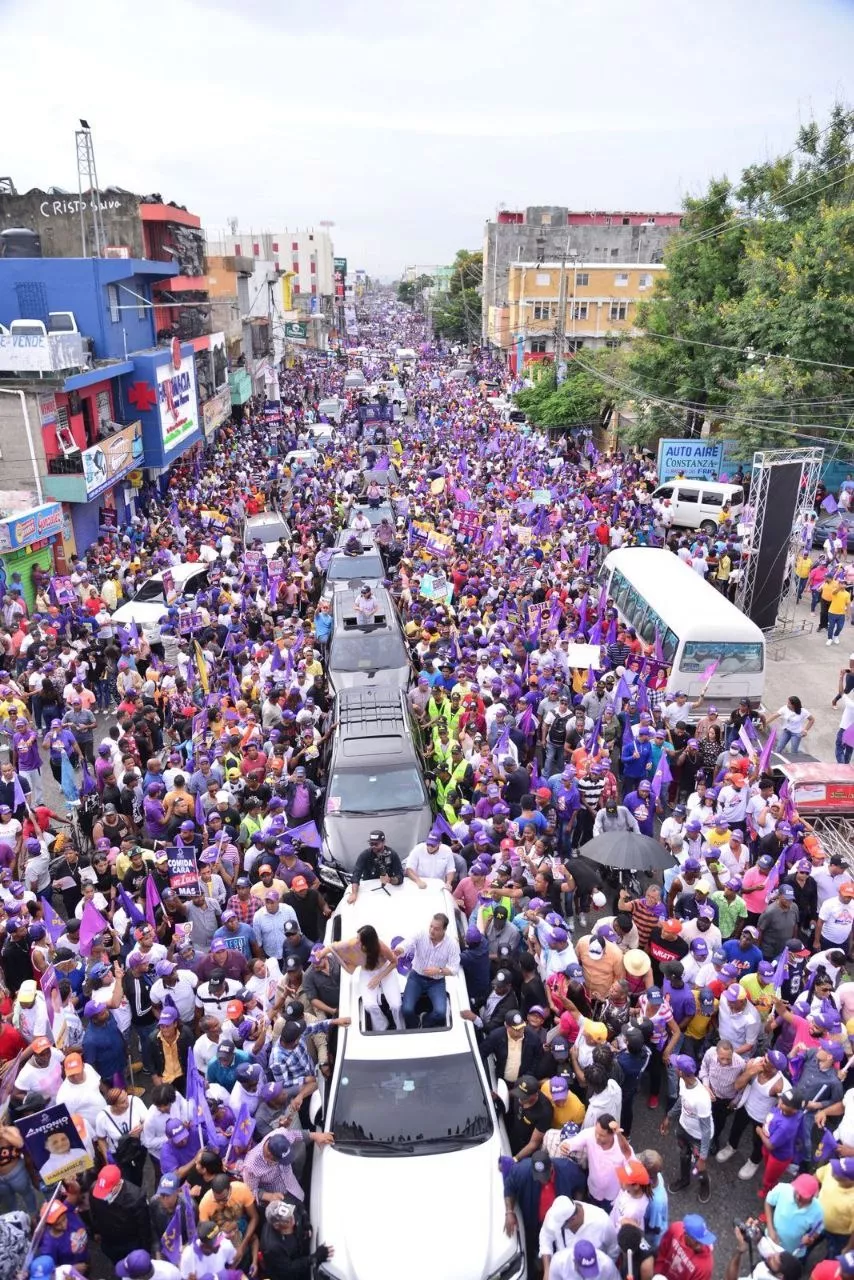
(742, 219)
(772, 425)
(747, 351)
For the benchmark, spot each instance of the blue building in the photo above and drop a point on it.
(101, 401)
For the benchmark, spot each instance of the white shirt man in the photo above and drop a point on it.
(430, 860)
(557, 1235)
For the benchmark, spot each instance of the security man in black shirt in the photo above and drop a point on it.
(376, 863)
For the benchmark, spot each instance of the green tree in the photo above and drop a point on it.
(457, 315)
(467, 271)
(752, 331)
(409, 290)
(586, 395)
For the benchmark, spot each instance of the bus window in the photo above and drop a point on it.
(634, 606)
(619, 590)
(669, 643)
(732, 658)
(688, 495)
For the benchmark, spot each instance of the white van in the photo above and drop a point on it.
(333, 408)
(697, 504)
(405, 356)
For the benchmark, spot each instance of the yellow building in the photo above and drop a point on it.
(598, 299)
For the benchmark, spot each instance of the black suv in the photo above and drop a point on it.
(375, 780)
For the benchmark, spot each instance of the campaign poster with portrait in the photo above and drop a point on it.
(54, 1145)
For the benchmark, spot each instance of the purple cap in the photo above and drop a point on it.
(163, 968)
(91, 1009)
(766, 969)
(473, 935)
(228, 915)
(584, 1258)
(168, 1016)
(699, 948)
(786, 891)
(685, 1063)
(691, 864)
(734, 992)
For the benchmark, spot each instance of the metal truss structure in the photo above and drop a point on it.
(765, 462)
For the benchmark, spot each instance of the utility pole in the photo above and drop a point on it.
(560, 328)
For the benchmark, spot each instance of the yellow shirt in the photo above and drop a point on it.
(837, 1203)
(803, 566)
(828, 589)
(698, 1025)
(572, 1111)
(839, 602)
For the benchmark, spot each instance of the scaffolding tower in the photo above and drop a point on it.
(87, 184)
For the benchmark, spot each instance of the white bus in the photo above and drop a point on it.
(653, 590)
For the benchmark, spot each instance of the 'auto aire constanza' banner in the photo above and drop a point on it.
(694, 459)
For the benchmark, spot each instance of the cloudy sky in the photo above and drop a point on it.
(407, 122)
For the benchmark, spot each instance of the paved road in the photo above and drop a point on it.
(807, 667)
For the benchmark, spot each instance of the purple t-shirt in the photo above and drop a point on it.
(27, 746)
(784, 1132)
(682, 1000)
(154, 814)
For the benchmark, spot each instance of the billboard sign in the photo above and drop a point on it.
(30, 526)
(111, 459)
(176, 391)
(296, 330)
(693, 459)
(216, 411)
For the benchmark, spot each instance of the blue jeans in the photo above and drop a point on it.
(17, 1183)
(843, 753)
(786, 737)
(434, 989)
(835, 623)
(815, 595)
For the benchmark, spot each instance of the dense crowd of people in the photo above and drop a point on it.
(184, 1021)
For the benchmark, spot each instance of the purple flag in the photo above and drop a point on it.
(657, 648)
(535, 774)
(91, 924)
(628, 736)
(501, 743)
(584, 557)
(201, 1112)
(233, 686)
(786, 800)
(241, 1134)
(18, 795)
(171, 1242)
(441, 827)
(53, 921)
(643, 697)
(830, 505)
(764, 758)
(710, 671)
(307, 833)
(828, 1148)
(744, 739)
(49, 984)
(152, 901)
(131, 910)
(780, 971)
(662, 775)
(528, 722)
(88, 784)
(199, 810)
(276, 663)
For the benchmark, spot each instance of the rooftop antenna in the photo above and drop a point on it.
(87, 183)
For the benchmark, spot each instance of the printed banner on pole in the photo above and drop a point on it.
(183, 871)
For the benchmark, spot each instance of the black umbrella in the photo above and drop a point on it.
(627, 851)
